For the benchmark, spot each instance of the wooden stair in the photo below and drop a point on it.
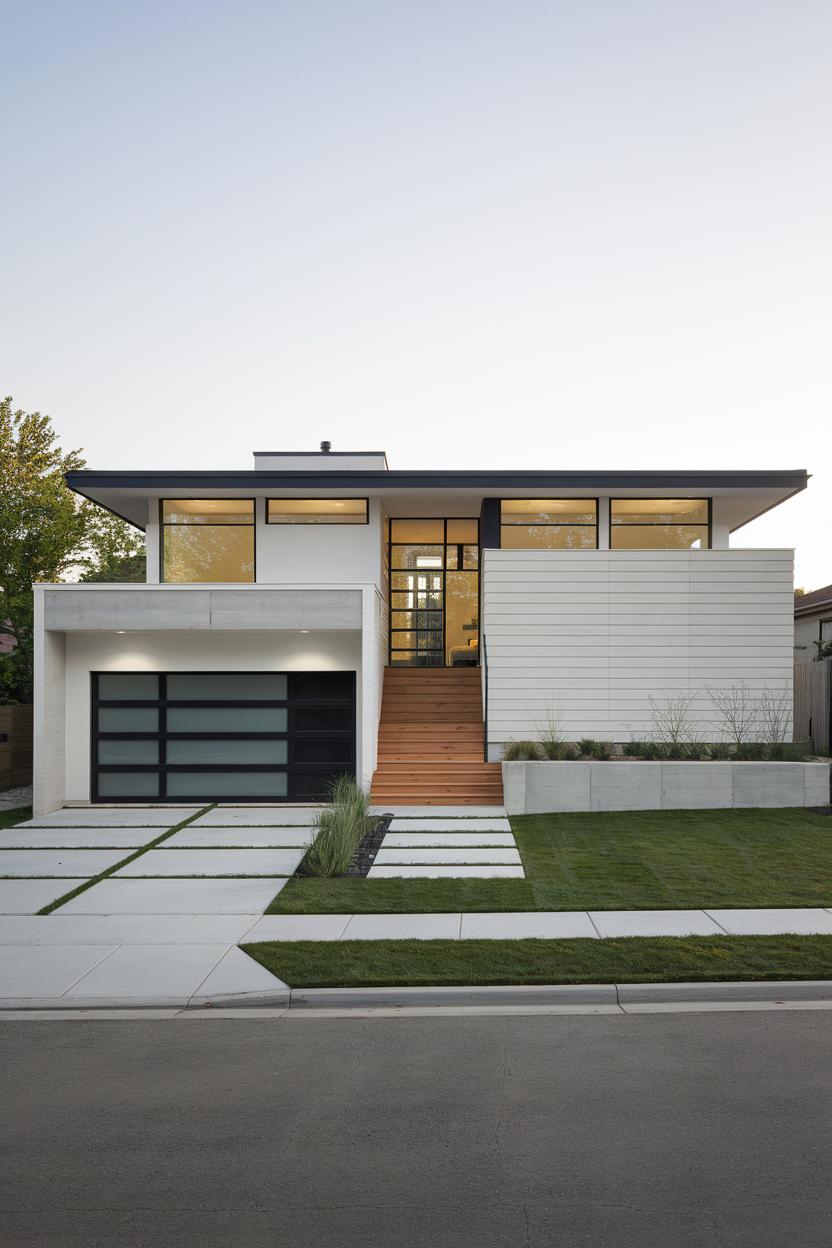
(430, 745)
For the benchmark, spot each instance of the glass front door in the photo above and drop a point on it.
(434, 593)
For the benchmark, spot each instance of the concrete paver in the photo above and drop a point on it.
(77, 838)
(611, 923)
(39, 972)
(402, 927)
(257, 817)
(527, 925)
(166, 896)
(114, 817)
(52, 863)
(211, 862)
(806, 922)
(197, 837)
(459, 855)
(147, 972)
(29, 896)
(423, 840)
(298, 927)
(449, 872)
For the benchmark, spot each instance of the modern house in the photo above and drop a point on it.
(812, 623)
(323, 613)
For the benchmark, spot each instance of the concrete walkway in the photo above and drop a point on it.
(542, 925)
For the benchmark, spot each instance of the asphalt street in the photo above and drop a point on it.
(659, 1131)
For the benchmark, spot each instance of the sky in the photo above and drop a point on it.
(586, 235)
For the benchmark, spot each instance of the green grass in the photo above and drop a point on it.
(10, 818)
(381, 963)
(632, 860)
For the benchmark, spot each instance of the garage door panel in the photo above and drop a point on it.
(221, 735)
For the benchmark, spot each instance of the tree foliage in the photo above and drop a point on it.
(47, 533)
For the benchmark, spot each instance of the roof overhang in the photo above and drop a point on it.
(743, 495)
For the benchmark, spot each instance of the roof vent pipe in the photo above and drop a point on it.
(326, 447)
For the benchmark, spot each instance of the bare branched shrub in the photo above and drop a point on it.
(552, 742)
(672, 723)
(775, 715)
(736, 713)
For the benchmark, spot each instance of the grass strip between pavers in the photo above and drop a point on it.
(137, 853)
(631, 959)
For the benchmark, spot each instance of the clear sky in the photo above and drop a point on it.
(474, 234)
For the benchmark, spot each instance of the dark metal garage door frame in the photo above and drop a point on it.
(306, 781)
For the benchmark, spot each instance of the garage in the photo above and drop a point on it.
(220, 736)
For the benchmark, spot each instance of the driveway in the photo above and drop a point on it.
(163, 926)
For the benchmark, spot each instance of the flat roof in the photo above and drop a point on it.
(126, 493)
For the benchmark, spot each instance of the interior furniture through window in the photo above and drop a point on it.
(207, 539)
(660, 523)
(434, 592)
(549, 523)
(316, 511)
(230, 736)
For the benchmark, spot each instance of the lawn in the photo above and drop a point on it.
(10, 818)
(631, 860)
(380, 963)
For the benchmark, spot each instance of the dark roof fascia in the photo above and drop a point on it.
(119, 515)
(452, 478)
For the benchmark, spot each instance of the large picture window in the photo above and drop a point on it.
(660, 523)
(548, 523)
(207, 539)
(316, 511)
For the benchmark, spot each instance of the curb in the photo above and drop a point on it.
(560, 994)
(308, 1000)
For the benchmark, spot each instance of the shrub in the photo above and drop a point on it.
(522, 752)
(720, 751)
(635, 749)
(586, 745)
(338, 829)
(557, 750)
(601, 750)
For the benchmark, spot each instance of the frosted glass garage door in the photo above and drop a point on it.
(220, 736)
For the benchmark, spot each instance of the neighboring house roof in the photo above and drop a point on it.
(817, 602)
(745, 494)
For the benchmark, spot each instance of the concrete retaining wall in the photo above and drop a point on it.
(535, 788)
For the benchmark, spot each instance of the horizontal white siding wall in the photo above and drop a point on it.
(590, 635)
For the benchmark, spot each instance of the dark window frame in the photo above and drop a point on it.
(511, 524)
(444, 570)
(649, 524)
(319, 524)
(294, 770)
(163, 524)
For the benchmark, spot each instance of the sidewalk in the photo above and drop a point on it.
(542, 925)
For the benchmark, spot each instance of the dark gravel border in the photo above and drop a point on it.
(365, 855)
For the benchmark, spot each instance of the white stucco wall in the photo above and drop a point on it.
(590, 635)
(172, 652)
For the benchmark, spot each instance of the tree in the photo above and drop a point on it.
(47, 533)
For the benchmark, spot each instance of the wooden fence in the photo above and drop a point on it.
(813, 704)
(15, 746)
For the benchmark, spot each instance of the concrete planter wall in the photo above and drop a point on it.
(536, 788)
